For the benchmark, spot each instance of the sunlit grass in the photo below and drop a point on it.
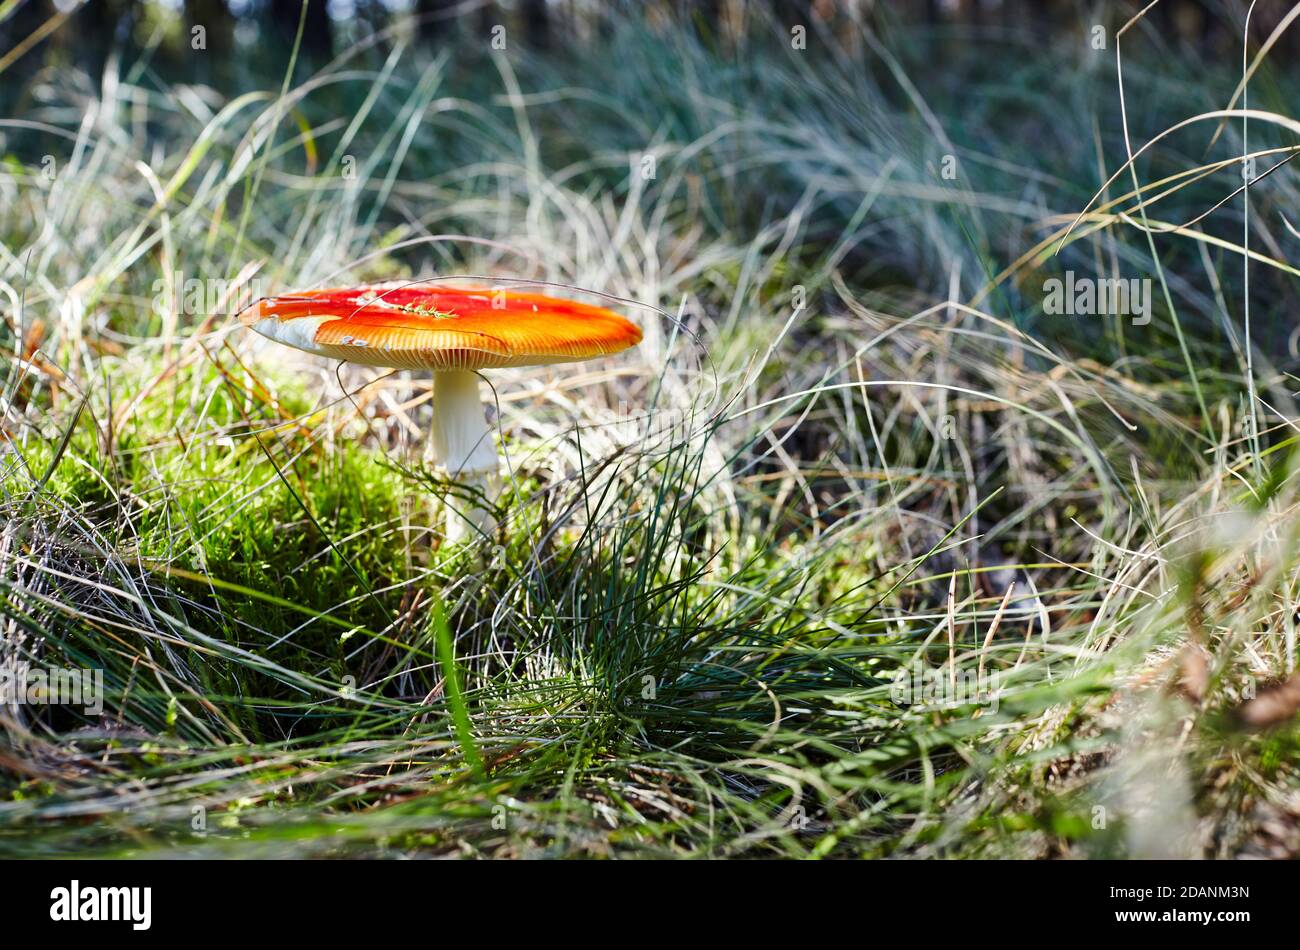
(717, 552)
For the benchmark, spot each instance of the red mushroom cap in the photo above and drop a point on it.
(441, 328)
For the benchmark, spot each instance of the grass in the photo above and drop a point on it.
(718, 552)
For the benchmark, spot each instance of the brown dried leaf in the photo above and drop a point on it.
(1195, 675)
(1272, 706)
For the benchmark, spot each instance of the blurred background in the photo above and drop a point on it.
(997, 84)
(73, 33)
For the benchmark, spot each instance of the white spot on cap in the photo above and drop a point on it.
(300, 332)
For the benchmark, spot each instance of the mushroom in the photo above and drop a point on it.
(453, 331)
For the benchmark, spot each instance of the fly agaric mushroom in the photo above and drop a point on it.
(453, 331)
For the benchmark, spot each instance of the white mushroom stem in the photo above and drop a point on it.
(461, 443)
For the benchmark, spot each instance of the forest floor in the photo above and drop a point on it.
(864, 551)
